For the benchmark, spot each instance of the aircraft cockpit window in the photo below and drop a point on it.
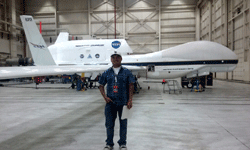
(151, 68)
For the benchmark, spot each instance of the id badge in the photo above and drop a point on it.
(115, 89)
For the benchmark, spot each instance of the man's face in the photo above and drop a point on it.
(116, 60)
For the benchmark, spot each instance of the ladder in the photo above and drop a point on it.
(173, 86)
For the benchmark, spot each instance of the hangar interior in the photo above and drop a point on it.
(54, 116)
(147, 25)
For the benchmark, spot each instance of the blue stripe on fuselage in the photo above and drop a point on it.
(210, 62)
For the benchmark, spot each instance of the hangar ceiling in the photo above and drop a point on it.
(136, 21)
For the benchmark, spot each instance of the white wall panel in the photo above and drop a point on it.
(41, 9)
(178, 2)
(179, 29)
(179, 22)
(40, 6)
(140, 15)
(72, 5)
(178, 15)
(4, 44)
(35, 3)
(47, 23)
(73, 18)
(20, 50)
(175, 40)
(76, 29)
(103, 17)
(141, 4)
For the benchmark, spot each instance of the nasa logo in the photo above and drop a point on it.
(38, 46)
(82, 56)
(116, 44)
(97, 55)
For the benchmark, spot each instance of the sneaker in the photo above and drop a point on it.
(108, 147)
(123, 147)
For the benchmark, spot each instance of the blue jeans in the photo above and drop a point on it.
(111, 110)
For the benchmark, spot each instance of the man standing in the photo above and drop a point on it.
(120, 87)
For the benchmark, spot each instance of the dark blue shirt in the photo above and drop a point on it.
(124, 78)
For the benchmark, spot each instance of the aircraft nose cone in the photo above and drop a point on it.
(216, 51)
(226, 52)
(201, 50)
(234, 56)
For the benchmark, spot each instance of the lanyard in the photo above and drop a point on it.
(115, 79)
(115, 88)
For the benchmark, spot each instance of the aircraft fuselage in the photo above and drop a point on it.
(174, 62)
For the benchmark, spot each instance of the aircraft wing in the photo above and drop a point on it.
(33, 71)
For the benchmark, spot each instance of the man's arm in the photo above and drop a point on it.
(107, 99)
(131, 91)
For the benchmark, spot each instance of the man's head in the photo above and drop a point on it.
(116, 60)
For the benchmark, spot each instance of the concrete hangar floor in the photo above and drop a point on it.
(64, 119)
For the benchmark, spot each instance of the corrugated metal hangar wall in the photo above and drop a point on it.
(227, 22)
(147, 25)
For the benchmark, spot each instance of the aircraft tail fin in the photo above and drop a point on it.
(63, 37)
(37, 45)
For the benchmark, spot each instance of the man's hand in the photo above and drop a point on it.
(130, 104)
(107, 99)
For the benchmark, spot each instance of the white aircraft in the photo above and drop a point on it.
(68, 57)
